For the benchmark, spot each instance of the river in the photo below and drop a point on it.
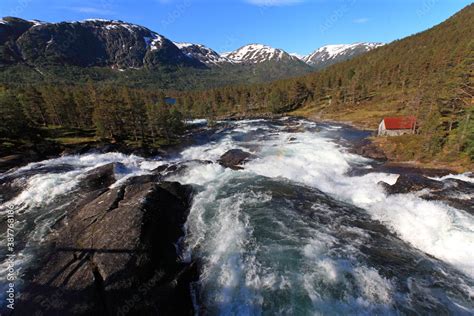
(303, 229)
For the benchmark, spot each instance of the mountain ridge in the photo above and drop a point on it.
(117, 52)
(122, 45)
(110, 43)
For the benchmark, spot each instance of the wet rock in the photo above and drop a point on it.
(10, 187)
(177, 168)
(116, 255)
(100, 177)
(367, 149)
(24, 154)
(456, 193)
(234, 158)
(17, 160)
(411, 183)
(10, 161)
(294, 129)
(403, 168)
(77, 150)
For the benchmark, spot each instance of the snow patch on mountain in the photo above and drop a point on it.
(339, 52)
(152, 40)
(202, 53)
(115, 24)
(258, 53)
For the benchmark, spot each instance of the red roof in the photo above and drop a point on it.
(402, 122)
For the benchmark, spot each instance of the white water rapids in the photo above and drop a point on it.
(293, 232)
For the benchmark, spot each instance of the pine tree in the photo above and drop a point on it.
(14, 123)
(34, 106)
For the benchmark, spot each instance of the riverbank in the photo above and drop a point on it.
(399, 151)
(382, 149)
(22, 154)
(53, 142)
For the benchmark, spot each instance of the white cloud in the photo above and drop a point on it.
(361, 20)
(91, 10)
(273, 3)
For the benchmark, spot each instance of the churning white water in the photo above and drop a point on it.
(223, 230)
(293, 232)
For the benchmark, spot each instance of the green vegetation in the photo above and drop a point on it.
(68, 136)
(71, 115)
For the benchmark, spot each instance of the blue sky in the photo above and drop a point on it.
(297, 26)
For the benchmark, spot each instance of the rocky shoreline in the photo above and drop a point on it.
(370, 149)
(48, 150)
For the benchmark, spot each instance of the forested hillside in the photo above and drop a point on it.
(429, 75)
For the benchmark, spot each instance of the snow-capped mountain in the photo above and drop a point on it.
(121, 45)
(258, 53)
(87, 43)
(332, 54)
(202, 53)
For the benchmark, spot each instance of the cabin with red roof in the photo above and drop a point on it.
(396, 126)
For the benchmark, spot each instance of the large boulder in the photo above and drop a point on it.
(234, 158)
(368, 149)
(456, 193)
(100, 177)
(407, 183)
(116, 254)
